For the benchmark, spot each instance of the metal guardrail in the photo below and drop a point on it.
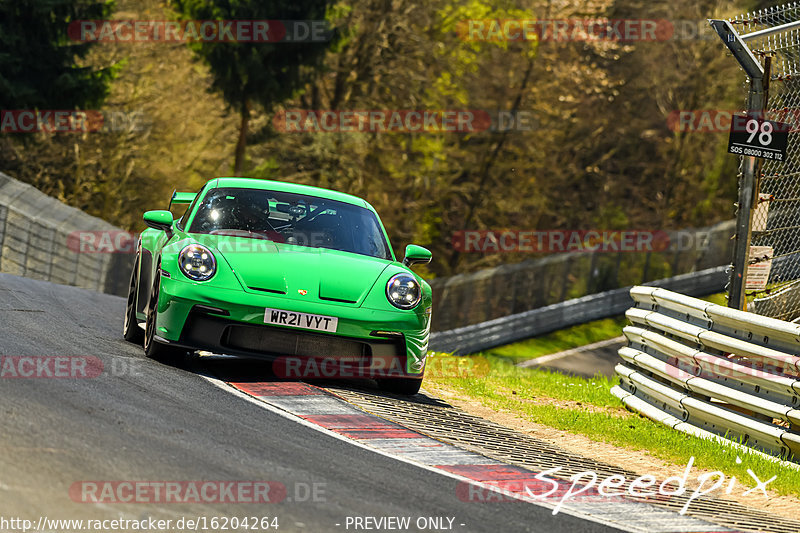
(512, 328)
(712, 371)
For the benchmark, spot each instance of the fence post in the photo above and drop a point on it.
(565, 279)
(3, 217)
(747, 185)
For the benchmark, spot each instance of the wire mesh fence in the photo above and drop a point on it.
(775, 229)
(38, 240)
(471, 298)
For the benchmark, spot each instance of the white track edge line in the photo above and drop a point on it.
(289, 416)
(544, 359)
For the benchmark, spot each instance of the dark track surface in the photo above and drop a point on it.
(143, 420)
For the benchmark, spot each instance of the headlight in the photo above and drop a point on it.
(197, 262)
(403, 291)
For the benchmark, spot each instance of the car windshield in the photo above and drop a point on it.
(292, 219)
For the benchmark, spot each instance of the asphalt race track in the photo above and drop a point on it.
(141, 420)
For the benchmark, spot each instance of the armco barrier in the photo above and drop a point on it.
(710, 370)
(34, 233)
(512, 328)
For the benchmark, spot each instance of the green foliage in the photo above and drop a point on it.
(266, 73)
(561, 340)
(267, 170)
(248, 73)
(599, 153)
(40, 66)
(573, 337)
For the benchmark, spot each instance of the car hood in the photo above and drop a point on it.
(300, 272)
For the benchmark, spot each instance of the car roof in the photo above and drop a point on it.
(283, 186)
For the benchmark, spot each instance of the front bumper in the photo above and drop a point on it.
(203, 317)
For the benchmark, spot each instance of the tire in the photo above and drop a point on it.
(152, 348)
(405, 386)
(130, 328)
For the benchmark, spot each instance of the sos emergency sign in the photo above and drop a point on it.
(753, 136)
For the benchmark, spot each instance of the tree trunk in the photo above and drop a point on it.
(241, 144)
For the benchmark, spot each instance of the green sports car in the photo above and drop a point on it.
(301, 275)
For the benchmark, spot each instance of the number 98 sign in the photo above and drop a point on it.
(752, 136)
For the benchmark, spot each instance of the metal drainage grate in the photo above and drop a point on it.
(442, 421)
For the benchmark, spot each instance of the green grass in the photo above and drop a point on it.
(564, 339)
(587, 407)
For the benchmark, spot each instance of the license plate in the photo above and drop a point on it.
(300, 320)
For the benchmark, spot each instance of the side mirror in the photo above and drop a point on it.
(161, 220)
(416, 254)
